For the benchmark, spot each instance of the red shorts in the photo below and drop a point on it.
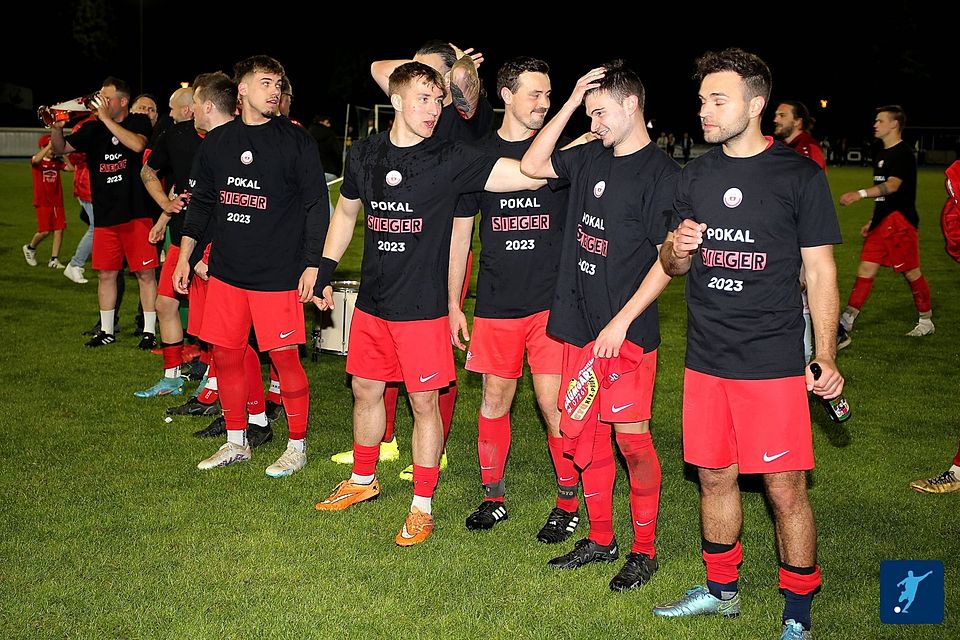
(893, 243)
(51, 219)
(197, 298)
(229, 312)
(761, 425)
(165, 286)
(112, 244)
(497, 344)
(417, 352)
(627, 400)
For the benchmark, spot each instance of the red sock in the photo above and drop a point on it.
(722, 567)
(448, 400)
(251, 368)
(860, 293)
(365, 459)
(206, 357)
(493, 444)
(644, 468)
(921, 294)
(425, 480)
(799, 583)
(597, 481)
(172, 354)
(275, 395)
(209, 396)
(956, 458)
(294, 390)
(234, 381)
(567, 475)
(390, 395)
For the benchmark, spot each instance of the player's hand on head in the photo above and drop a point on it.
(470, 51)
(591, 80)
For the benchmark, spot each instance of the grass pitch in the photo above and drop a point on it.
(107, 529)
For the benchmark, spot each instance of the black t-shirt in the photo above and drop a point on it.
(452, 127)
(263, 190)
(172, 158)
(409, 195)
(521, 233)
(745, 317)
(896, 162)
(616, 217)
(118, 192)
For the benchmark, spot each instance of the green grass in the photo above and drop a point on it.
(108, 530)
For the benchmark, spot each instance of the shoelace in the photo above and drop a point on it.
(944, 478)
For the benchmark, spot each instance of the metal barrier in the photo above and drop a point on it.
(19, 142)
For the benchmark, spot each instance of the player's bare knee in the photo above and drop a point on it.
(146, 276)
(497, 396)
(367, 391)
(166, 306)
(787, 491)
(424, 403)
(716, 482)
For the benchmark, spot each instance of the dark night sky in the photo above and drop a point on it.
(843, 57)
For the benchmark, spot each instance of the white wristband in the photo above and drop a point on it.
(863, 193)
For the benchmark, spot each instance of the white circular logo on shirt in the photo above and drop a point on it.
(116, 142)
(394, 178)
(598, 188)
(733, 197)
(246, 157)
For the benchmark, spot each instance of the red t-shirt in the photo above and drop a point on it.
(806, 145)
(47, 186)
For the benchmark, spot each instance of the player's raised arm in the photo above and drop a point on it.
(506, 176)
(536, 161)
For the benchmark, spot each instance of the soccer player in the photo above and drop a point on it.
(114, 145)
(466, 116)
(408, 184)
(258, 179)
(749, 213)
(890, 237)
(214, 104)
(521, 234)
(48, 201)
(605, 310)
(171, 156)
(793, 123)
